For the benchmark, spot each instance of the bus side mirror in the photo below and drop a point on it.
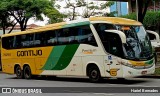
(155, 34)
(120, 33)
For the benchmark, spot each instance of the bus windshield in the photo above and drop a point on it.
(137, 46)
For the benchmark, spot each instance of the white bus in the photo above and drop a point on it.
(96, 47)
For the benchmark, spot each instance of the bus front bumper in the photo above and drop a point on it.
(131, 72)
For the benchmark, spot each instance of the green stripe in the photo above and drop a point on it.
(54, 57)
(66, 57)
(149, 62)
(60, 57)
(76, 24)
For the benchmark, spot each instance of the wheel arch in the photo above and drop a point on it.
(15, 67)
(90, 64)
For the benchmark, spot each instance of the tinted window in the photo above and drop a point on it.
(75, 35)
(7, 42)
(63, 36)
(111, 41)
(25, 40)
(39, 39)
(85, 36)
(51, 38)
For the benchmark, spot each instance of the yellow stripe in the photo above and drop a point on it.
(116, 20)
(137, 63)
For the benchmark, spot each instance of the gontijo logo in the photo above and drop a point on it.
(29, 53)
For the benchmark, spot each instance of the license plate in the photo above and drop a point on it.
(144, 72)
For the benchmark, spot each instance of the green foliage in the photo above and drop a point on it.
(93, 9)
(130, 16)
(151, 18)
(157, 71)
(89, 9)
(54, 16)
(73, 6)
(23, 10)
(5, 20)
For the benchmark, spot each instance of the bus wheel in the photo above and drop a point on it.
(27, 72)
(19, 72)
(94, 74)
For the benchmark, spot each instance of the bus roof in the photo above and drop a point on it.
(115, 20)
(110, 20)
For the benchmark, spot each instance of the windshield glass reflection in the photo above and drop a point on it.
(137, 46)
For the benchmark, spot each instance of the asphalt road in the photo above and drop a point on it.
(11, 81)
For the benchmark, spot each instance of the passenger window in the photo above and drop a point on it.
(51, 38)
(39, 39)
(63, 36)
(27, 40)
(85, 36)
(8, 44)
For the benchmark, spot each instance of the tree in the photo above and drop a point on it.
(88, 9)
(142, 8)
(23, 10)
(93, 9)
(6, 22)
(54, 15)
(73, 6)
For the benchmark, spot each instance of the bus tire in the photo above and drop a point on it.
(94, 74)
(19, 72)
(27, 72)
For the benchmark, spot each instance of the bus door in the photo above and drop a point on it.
(113, 46)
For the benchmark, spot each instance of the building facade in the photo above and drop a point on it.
(120, 7)
(17, 28)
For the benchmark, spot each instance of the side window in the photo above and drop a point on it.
(26, 40)
(100, 29)
(50, 38)
(85, 36)
(63, 36)
(39, 39)
(7, 42)
(17, 42)
(114, 44)
(73, 33)
(111, 41)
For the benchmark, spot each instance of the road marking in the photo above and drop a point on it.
(105, 94)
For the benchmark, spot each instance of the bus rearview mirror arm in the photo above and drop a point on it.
(120, 33)
(154, 33)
